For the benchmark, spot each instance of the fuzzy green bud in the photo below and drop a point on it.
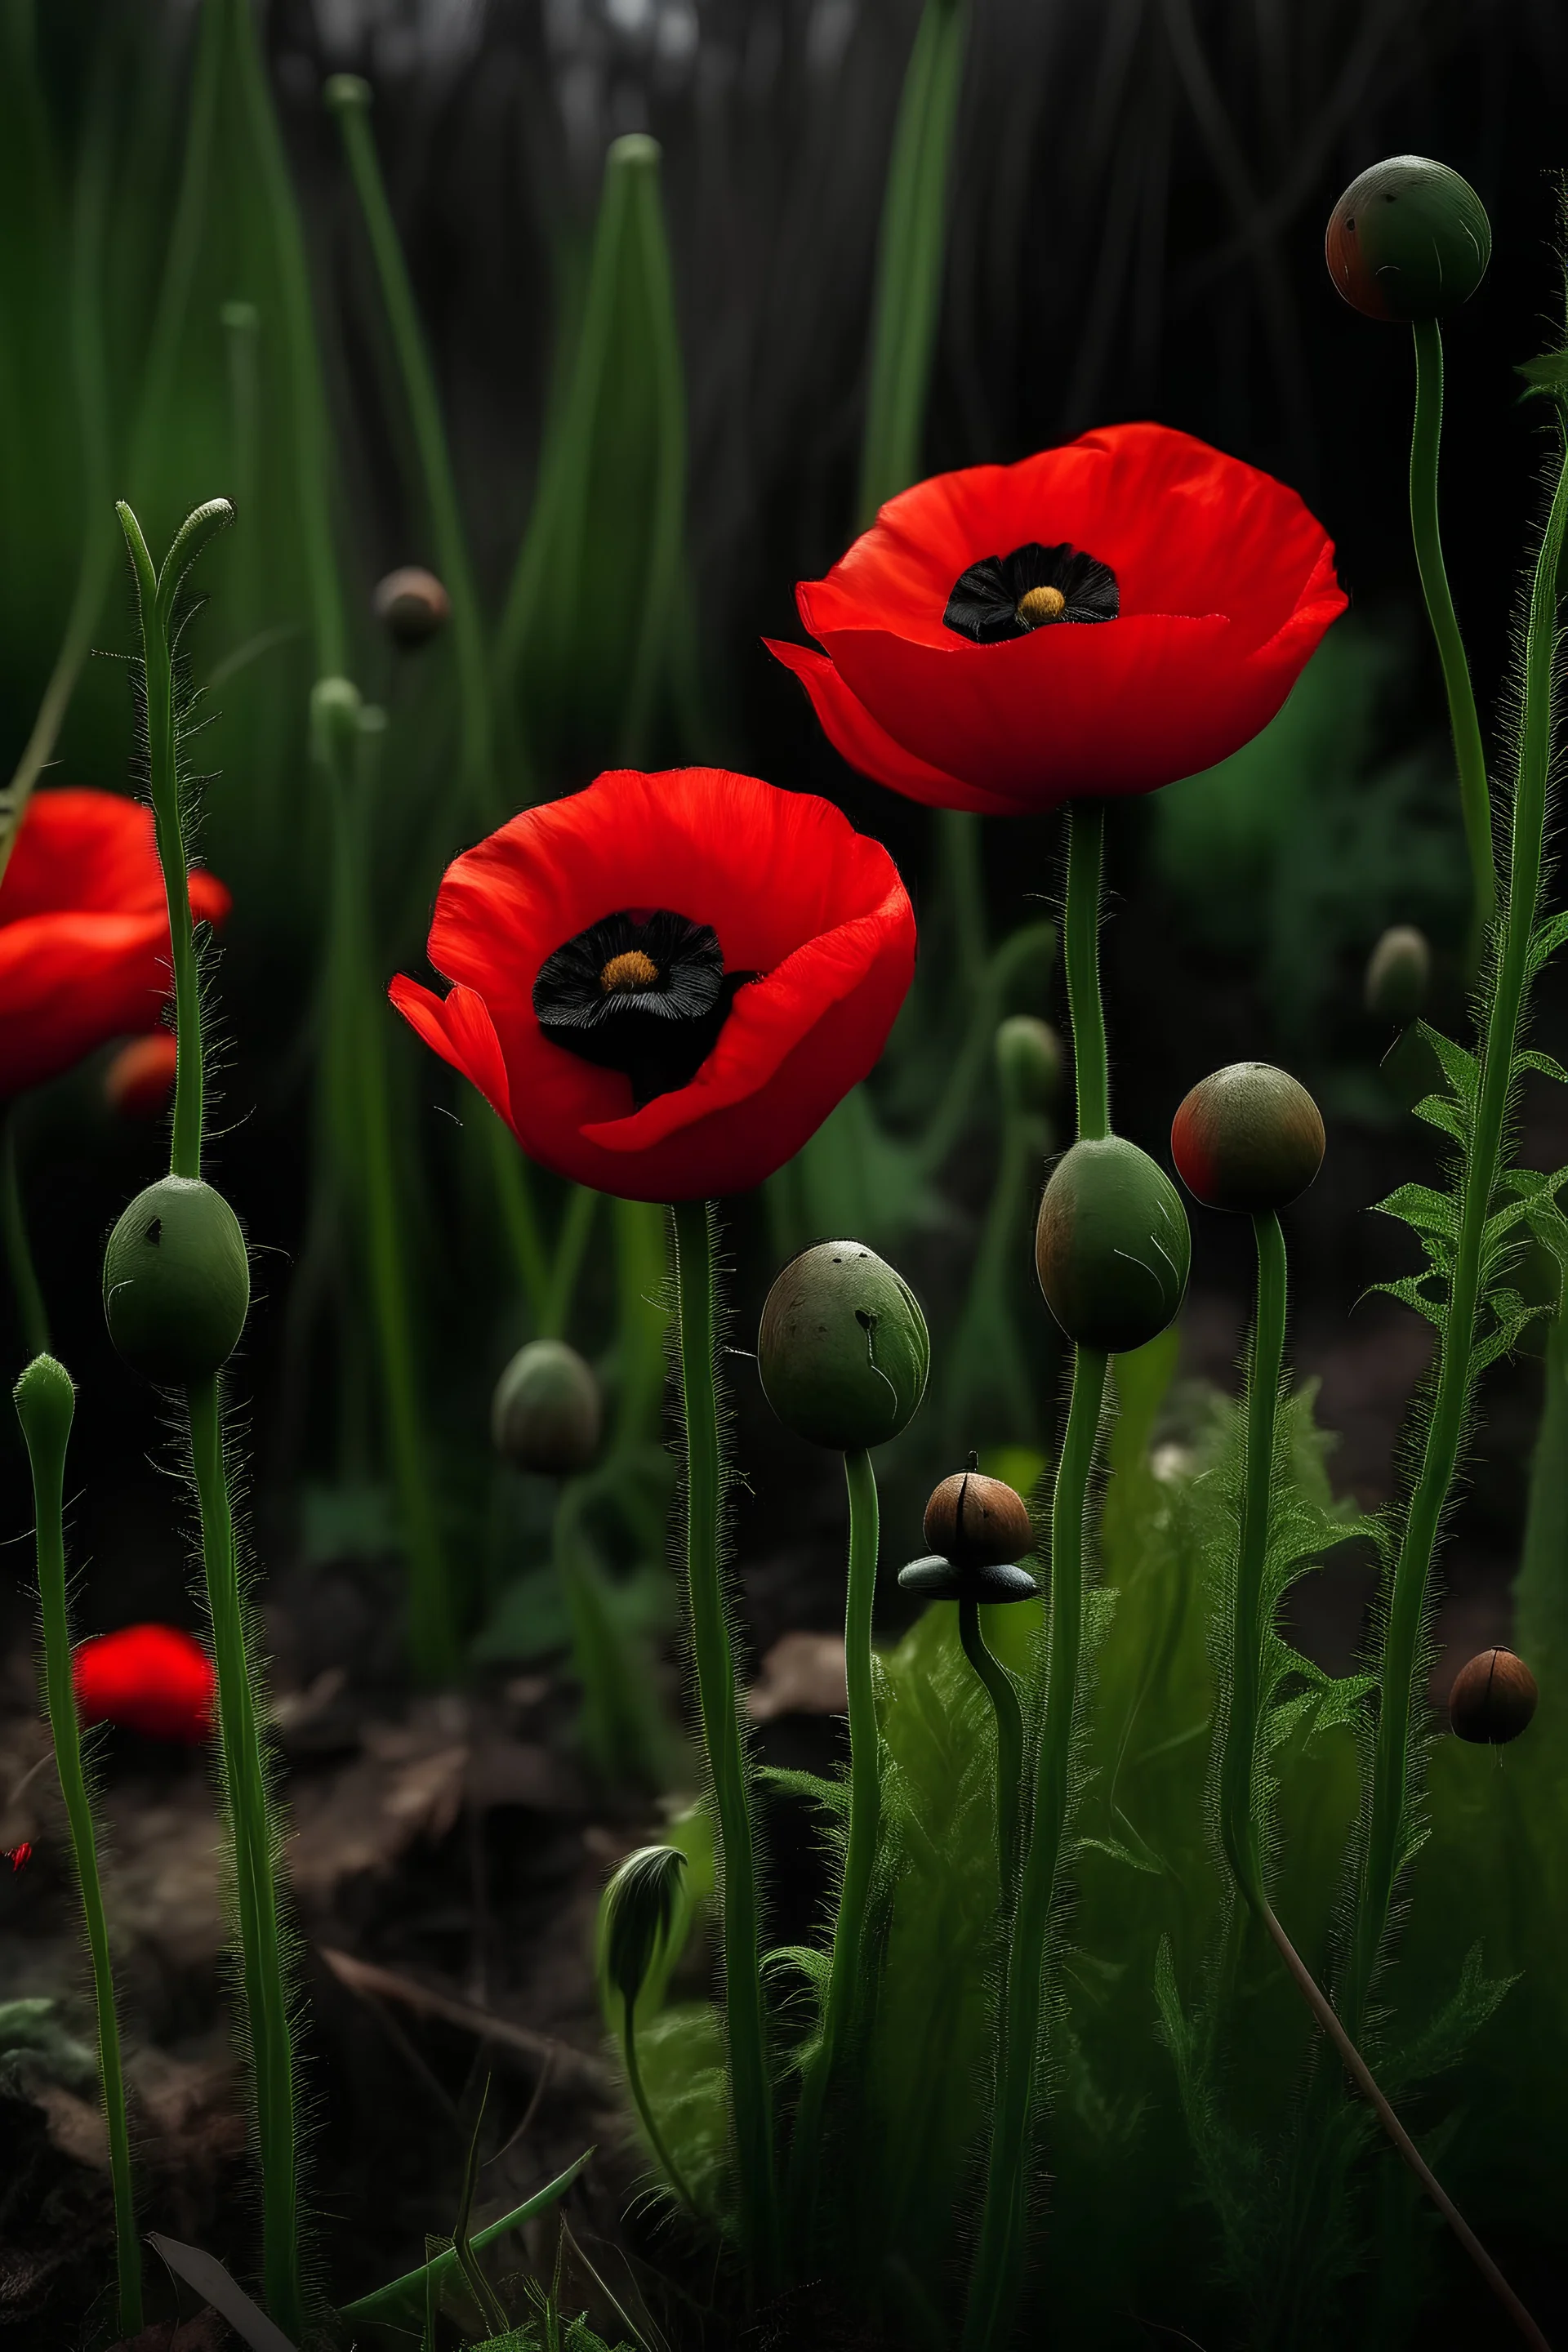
(637, 1912)
(1409, 239)
(546, 1412)
(46, 1406)
(176, 1282)
(1249, 1138)
(843, 1350)
(1028, 1062)
(1111, 1245)
(1398, 974)
(335, 711)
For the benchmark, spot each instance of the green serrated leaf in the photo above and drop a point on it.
(1408, 1291)
(1547, 939)
(1545, 377)
(1119, 1853)
(1547, 1063)
(804, 1959)
(1418, 1206)
(1460, 1067)
(1439, 1112)
(833, 1796)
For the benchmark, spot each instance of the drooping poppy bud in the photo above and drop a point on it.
(937, 1578)
(412, 606)
(176, 1282)
(1113, 1248)
(1409, 239)
(1248, 1139)
(1493, 1699)
(1028, 1061)
(546, 1412)
(153, 1679)
(978, 1522)
(1398, 974)
(843, 1351)
(141, 1078)
(637, 1912)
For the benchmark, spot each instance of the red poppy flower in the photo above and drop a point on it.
(148, 1678)
(1102, 618)
(665, 983)
(84, 931)
(141, 1078)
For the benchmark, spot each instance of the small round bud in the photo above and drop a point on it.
(346, 93)
(46, 1405)
(1492, 1699)
(546, 1411)
(1249, 1138)
(938, 1579)
(843, 1349)
(176, 1282)
(1398, 974)
(637, 1912)
(977, 1522)
(412, 606)
(1028, 1062)
(1409, 239)
(1111, 1245)
(141, 1078)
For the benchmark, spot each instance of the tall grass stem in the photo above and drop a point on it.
(32, 1315)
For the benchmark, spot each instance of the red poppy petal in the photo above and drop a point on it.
(857, 737)
(70, 982)
(84, 851)
(458, 1027)
(154, 1679)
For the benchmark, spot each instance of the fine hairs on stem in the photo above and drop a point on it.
(750, 2084)
(46, 1404)
(247, 1792)
(844, 2004)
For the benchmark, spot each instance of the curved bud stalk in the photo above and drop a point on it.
(637, 1916)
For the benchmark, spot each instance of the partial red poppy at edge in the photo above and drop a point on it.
(808, 918)
(140, 1080)
(84, 931)
(148, 1678)
(1220, 582)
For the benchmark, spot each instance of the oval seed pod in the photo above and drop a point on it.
(938, 1579)
(412, 606)
(1408, 239)
(1028, 1061)
(176, 1282)
(977, 1522)
(546, 1412)
(843, 1350)
(1493, 1699)
(1113, 1246)
(1398, 974)
(637, 1912)
(1248, 1139)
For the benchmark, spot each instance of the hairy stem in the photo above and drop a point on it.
(31, 1312)
(1080, 945)
(1468, 750)
(1388, 1822)
(750, 2087)
(1003, 1694)
(250, 1824)
(845, 2003)
(649, 2122)
(47, 1432)
(1240, 1831)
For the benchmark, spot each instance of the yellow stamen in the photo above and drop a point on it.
(1039, 604)
(632, 970)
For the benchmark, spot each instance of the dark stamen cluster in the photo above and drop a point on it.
(645, 994)
(1005, 596)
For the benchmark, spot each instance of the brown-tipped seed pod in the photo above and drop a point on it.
(1492, 1699)
(1409, 239)
(1398, 974)
(176, 1282)
(843, 1349)
(1113, 1246)
(545, 1413)
(977, 1522)
(1250, 1139)
(1028, 1061)
(412, 606)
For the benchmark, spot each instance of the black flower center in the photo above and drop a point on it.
(1006, 596)
(645, 994)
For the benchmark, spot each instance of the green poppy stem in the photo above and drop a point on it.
(1002, 1691)
(31, 1312)
(751, 2085)
(1080, 949)
(844, 2003)
(1468, 749)
(44, 1407)
(649, 2121)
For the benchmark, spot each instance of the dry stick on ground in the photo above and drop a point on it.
(572, 2069)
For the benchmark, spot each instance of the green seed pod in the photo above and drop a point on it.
(1409, 239)
(46, 1405)
(843, 1349)
(1028, 1062)
(1111, 1245)
(1398, 974)
(1249, 1138)
(637, 1912)
(937, 1579)
(176, 1282)
(546, 1411)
